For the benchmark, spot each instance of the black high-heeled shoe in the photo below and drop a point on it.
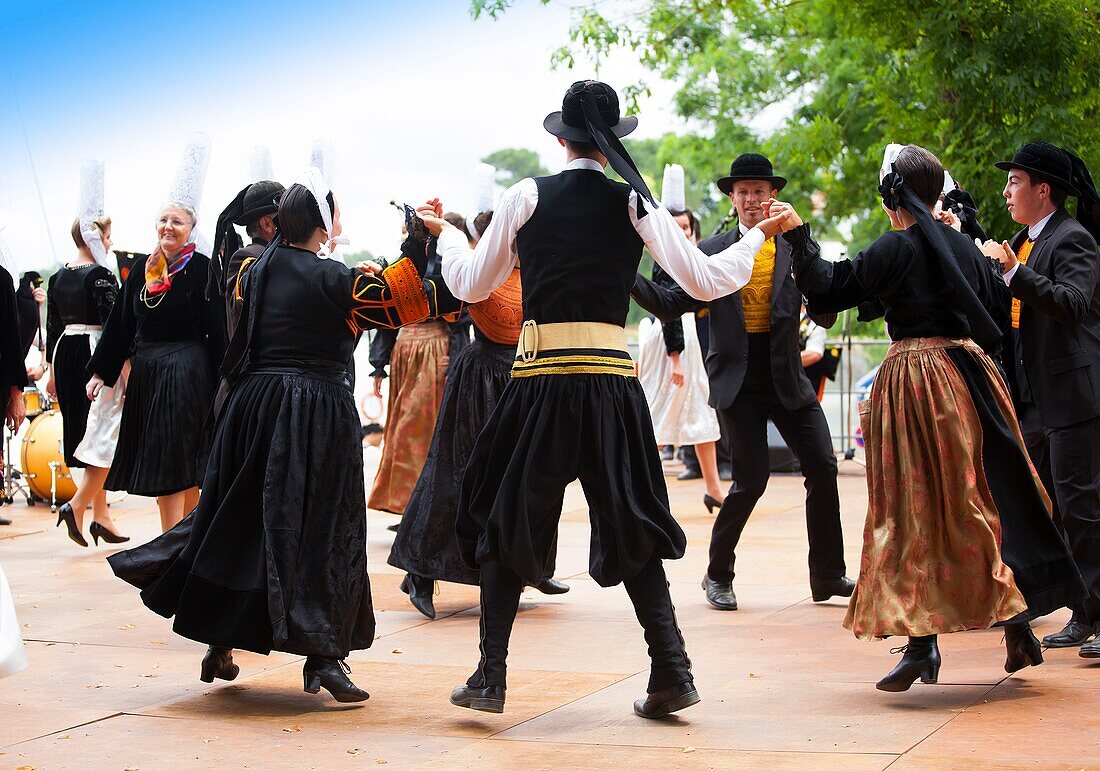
(68, 516)
(218, 662)
(711, 503)
(1022, 647)
(921, 659)
(97, 531)
(332, 675)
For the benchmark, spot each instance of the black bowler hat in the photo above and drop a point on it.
(260, 199)
(1046, 159)
(569, 122)
(750, 166)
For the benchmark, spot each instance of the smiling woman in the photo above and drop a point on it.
(174, 336)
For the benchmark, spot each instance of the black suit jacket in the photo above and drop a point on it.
(727, 359)
(1059, 335)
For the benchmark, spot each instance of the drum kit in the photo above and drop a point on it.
(42, 476)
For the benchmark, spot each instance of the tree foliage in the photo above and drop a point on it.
(969, 81)
(514, 164)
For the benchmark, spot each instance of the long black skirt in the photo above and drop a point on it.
(426, 544)
(1031, 545)
(70, 364)
(163, 443)
(546, 432)
(274, 557)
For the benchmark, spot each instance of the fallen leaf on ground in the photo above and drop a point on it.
(397, 650)
(688, 749)
(292, 730)
(354, 751)
(128, 626)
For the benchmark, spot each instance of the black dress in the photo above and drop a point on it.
(274, 556)
(13, 372)
(176, 341)
(76, 295)
(901, 272)
(425, 544)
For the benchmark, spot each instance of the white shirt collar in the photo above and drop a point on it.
(741, 228)
(1034, 231)
(583, 163)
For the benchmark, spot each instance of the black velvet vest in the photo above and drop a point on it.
(579, 252)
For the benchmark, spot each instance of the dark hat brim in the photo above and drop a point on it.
(554, 124)
(252, 216)
(725, 184)
(1010, 165)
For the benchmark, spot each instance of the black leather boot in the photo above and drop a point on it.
(420, 591)
(921, 659)
(666, 702)
(332, 675)
(552, 586)
(1022, 647)
(489, 698)
(822, 589)
(218, 662)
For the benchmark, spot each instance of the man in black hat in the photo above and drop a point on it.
(574, 408)
(756, 373)
(1052, 268)
(254, 209)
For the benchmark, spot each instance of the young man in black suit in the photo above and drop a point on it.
(1052, 268)
(756, 373)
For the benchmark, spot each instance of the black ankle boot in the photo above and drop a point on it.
(1022, 647)
(332, 675)
(420, 591)
(488, 698)
(921, 659)
(218, 662)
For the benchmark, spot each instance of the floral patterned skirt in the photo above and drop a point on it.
(932, 560)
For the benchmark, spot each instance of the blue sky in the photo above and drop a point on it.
(410, 96)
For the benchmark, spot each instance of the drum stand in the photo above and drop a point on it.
(13, 477)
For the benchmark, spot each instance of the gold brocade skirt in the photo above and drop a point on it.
(931, 559)
(418, 371)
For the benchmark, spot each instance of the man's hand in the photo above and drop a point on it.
(1001, 252)
(432, 214)
(16, 409)
(677, 377)
(774, 208)
(774, 225)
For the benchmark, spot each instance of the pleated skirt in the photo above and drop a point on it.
(274, 557)
(426, 544)
(70, 364)
(958, 533)
(681, 414)
(418, 371)
(163, 442)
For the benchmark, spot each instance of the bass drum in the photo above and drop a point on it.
(43, 460)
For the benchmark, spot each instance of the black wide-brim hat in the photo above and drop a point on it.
(568, 122)
(1046, 159)
(750, 166)
(261, 199)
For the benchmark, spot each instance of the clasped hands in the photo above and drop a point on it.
(1001, 252)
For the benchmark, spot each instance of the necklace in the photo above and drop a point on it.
(145, 298)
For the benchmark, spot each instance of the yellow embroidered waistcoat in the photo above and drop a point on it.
(1025, 252)
(756, 296)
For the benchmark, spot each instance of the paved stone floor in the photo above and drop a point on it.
(783, 685)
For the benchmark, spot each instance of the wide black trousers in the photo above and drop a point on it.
(806, 432)
(1068, 462)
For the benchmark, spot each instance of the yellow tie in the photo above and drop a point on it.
(756, 296)
(1025, 252)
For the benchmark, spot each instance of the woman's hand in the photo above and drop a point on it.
(432, 214)
(775, 224)
(1001, 252)
(51, 389)
(677, 377)
(378, 386)
(17, 410)
(95, 385)
(368, 268)
(774, 208)
(39, 295)
(949, 218)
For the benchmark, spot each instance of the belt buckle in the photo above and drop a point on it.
(528, 341)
